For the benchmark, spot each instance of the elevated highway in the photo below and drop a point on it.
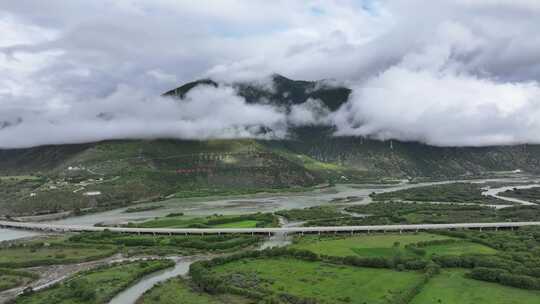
(267, 231)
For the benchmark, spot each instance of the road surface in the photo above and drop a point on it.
(268, 231)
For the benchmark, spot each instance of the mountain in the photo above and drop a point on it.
(279, 91)
(110, 174)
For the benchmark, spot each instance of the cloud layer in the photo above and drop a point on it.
(442, 72)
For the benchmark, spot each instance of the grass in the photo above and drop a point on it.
(177, 290)
(8, 281)
(214, 221)
(459, 248)
(327, 283)
(95, 286)
(239, 224)
(174, 245)
(363, 245)
(36, 255)
(452, 287)
(422, 213)
(10, 278)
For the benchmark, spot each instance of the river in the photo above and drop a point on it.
(251, 204)
(495, 191)
(259, 202)
(181, 268)
(132, 293)
(11, 234)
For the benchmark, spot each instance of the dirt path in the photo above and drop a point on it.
(50, 275)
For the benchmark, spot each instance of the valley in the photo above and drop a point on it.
(270, 152)
(311, 218)
(326, 206)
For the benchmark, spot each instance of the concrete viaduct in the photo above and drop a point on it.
(267, 231)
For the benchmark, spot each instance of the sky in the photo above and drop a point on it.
(446, 72)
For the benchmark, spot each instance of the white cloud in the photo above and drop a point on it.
(311, 112)
(454, 72)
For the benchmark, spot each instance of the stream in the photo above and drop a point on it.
(134, 292)
(494, 192)
(181, 268)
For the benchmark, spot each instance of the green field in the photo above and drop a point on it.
(163, 245)
(177, 290)
(36, 254)
(328, 283)
(363, 245)
(425, 213)
(8, 281)
(213, 221)
(451, 287)
(239, 224)
(458, 248)
(95, 286)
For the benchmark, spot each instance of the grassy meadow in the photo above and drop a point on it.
(95, 286)
(452, 287)
(178, 290)
(41, 254)
(329, 283)
(213, 221)
(385, 245)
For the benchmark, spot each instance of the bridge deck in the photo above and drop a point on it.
(291, 230)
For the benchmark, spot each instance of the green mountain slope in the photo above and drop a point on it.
(116, 173)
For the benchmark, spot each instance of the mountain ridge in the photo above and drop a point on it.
(284, 92)
(56, 178)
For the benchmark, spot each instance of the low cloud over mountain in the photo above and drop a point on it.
(450, 73)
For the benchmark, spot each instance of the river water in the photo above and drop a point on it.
(181, 268)
(251, 204)
(495, 191)
(132, 293)
(10, 234)
(258, 203)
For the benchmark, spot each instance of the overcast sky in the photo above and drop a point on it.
(448, 73)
